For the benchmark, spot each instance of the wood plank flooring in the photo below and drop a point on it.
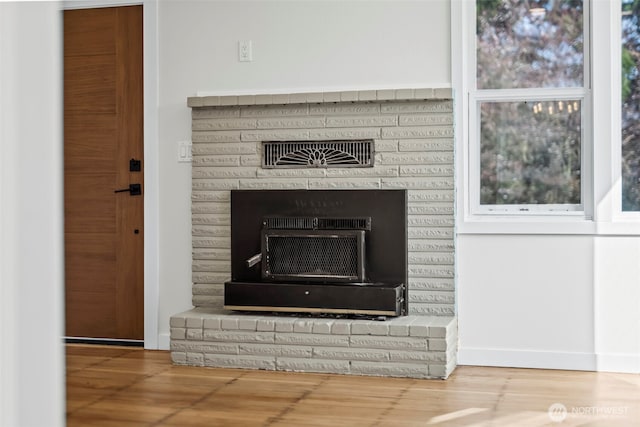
(120, 386)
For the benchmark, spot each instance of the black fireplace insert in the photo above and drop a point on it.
(319, 251)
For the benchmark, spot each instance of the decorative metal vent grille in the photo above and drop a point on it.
(314, 223)
(289, 223)
(317, 154)
(344, 223)
(313, 256)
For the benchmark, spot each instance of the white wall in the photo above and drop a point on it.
(617, 303)
(31, 224)
(526, 300)
(554, 292)
(297, 47)
(551, 300)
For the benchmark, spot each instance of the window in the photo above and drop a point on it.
(530, 152)
(630, 106)
(527, 107)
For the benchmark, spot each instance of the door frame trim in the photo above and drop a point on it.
(89, 4)
(151, 177)
(151, 160)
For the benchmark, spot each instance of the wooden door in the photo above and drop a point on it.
(103, 132)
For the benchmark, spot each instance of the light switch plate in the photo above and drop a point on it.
(184, 151)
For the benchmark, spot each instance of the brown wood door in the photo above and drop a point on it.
(103, 131)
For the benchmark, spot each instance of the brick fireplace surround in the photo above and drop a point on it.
(412, 131)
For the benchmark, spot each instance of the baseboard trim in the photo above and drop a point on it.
(619, 362)
(104, 341)
(527, 359)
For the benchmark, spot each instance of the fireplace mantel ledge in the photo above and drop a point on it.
(321, 97)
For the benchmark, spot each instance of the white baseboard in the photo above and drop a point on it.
(619, 362)
(527, 359)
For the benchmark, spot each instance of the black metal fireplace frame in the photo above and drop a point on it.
(384, 290)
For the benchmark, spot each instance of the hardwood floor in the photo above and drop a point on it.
(120, 386)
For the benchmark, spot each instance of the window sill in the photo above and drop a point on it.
(547, 225)
(511, 224)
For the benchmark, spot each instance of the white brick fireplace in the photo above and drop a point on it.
(412, 131)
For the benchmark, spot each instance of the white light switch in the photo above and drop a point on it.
(245, 53)
(184, 151)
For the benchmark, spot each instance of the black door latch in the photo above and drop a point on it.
(134, 190)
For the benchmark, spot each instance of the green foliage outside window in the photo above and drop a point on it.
(530, 152)
(630, 105)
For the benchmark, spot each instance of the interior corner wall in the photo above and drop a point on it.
(526, 301)
(31, 216)
(554, 300)
(549, 301)
(297, 47)
(617, 303)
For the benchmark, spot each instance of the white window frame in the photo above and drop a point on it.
(602, 196)
(520, 95)
(599, 180)
(477, 96)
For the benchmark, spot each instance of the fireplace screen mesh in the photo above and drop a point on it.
(317, 256)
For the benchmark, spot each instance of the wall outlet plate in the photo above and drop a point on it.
(245, 51)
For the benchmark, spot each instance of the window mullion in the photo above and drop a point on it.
(530, 93)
